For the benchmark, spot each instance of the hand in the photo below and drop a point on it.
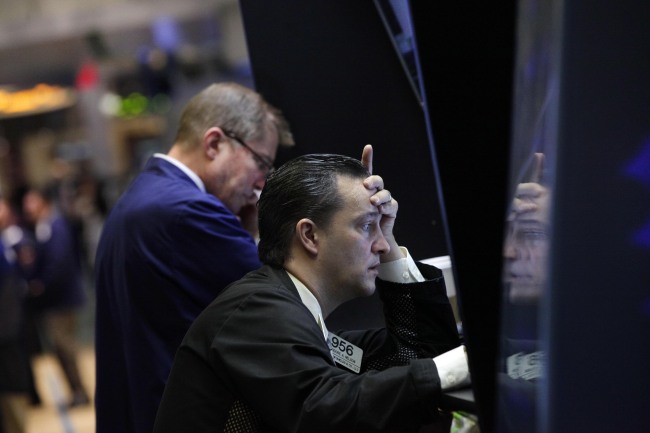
(532, 196)
(529, 197)
(248, 218)
(385, 203)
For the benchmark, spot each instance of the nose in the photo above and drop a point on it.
(380, 245)
(509, 250)
(514, 251)
(259, 182)
(509, 245)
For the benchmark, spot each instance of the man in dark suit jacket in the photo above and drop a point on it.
(56, 292)
(260, 357)
(173, 241)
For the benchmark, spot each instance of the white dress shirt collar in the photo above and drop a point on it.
(185, 169)
(400, 271)
(311, 303)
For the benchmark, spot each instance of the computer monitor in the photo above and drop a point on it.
(574, 340)
(465, 53)
(528, 231)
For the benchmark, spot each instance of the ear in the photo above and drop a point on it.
(212, 142)
(307, 232)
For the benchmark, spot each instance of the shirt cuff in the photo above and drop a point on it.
(452, 368)
(401, 270)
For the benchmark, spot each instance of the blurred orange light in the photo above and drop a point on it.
(40, 98)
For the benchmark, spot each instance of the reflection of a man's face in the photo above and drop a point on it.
(526, 244)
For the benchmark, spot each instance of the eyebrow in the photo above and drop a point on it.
(529, 221)
(371, 214)
(532, 224)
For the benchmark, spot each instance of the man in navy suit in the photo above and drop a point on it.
(181, 232)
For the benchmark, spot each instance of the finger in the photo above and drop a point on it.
(389, 207)
(374, 182)
(366, 157)
(523, 206)
(381, 197)
(529, 189)
(538, 168)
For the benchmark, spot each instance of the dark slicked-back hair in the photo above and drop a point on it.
(305, 187)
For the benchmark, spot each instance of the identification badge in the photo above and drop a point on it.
(525, 366)
(345, 353)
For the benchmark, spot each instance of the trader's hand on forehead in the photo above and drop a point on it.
(384, 201)
(382, 197)
(531, 196)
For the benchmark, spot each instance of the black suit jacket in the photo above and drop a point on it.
(256, 360)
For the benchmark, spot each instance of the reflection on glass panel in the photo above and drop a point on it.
(527, 238)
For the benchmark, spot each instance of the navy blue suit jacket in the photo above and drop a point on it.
(166, 251)
(57, 267)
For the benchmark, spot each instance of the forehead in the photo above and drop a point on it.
(355, 195)
(268, 143)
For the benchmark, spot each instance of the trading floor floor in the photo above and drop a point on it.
(53, 416)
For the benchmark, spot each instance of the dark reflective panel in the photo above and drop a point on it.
(527, 238)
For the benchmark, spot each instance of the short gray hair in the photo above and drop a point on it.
(233, 108)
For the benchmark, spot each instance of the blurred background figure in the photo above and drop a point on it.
(14, 362)
(55, 292)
